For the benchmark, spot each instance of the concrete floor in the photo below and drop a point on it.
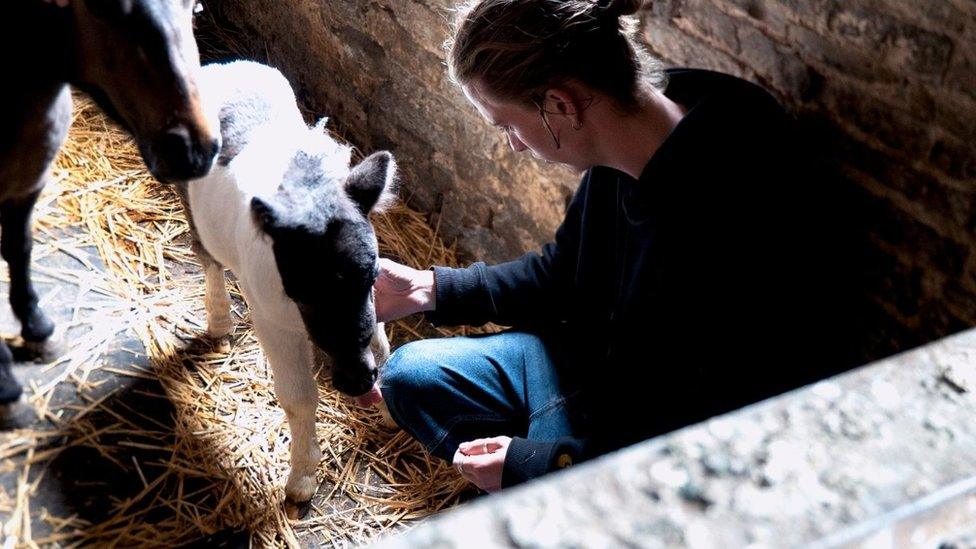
(81, 481)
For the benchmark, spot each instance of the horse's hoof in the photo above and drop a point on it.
(45, 350)
(10, 388)
(297, 510)
(37, 328)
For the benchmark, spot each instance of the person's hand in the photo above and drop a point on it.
(400, 291)
(374, 399)
(481, 461)
(370, 399)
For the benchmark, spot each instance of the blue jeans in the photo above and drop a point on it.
(447, 391)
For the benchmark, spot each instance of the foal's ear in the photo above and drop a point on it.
(370, 184)
(264, 214)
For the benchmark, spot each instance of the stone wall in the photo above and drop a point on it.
(377, 68)
(890, 87)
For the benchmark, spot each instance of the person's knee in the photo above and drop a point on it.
(410, 370)
(411, 382)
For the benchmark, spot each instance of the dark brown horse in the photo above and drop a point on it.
(138, 60)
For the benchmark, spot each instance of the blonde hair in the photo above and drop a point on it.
(519, 48)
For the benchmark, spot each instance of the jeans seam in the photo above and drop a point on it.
(553, 404)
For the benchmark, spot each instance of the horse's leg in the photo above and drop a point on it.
(291, 357)
(15, 247)
(10, 389)
(16, 242)
(216, 299)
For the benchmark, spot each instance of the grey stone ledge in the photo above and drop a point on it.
(882, 456)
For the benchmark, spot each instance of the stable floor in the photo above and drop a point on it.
(138, 432)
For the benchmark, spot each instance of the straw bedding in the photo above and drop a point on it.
(193, 444)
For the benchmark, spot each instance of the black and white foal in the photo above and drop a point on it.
(284, 211)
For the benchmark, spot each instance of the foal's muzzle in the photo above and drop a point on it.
(354, 376)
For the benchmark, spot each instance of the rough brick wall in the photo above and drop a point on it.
(377, 69)
(890, 86)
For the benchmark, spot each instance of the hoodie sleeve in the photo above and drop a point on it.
(528, 459)
(526, 291)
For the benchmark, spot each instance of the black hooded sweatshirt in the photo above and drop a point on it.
(706, 284)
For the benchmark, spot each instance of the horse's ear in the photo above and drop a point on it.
(264, 215)
(371, 183)
(110, 10)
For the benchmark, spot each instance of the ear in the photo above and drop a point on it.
(264, 214)
(370, 184)
(320, 125)
(109, 10)
(564, 101)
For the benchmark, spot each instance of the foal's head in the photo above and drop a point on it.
(326, 254)
(139, 61)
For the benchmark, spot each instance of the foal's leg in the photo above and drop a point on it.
(16, 242)
(291, 357)
(380, 346)
(216, 299)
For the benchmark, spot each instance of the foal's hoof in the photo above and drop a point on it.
(386, 420)
(297, 510)
(222, 345)
(10, 388)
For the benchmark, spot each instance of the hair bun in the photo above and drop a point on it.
(614, 9)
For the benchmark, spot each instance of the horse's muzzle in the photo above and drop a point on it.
(179, 154)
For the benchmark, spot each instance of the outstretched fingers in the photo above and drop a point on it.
(482, 461)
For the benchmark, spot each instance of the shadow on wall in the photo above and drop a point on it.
(891, 96)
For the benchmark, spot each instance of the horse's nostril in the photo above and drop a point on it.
(180, 154)
(214, 148)
(175, 143)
